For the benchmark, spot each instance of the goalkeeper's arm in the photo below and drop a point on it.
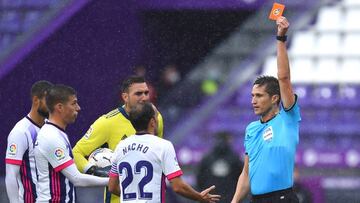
(94, 138)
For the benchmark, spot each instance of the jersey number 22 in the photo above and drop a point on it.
(130, 176)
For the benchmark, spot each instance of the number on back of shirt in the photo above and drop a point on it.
(128, 172)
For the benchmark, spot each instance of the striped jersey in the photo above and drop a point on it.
(52, 154)
(107, 131)
(20, 151)
(142, 162)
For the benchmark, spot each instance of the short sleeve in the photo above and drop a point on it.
(169, 164)
(16, 147)
(114, 162)
(56, 152)
(294, 111)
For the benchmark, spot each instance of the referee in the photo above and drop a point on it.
(270, 143)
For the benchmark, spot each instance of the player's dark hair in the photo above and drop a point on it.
(58, 94)
(40, 88)
(271, 85)
(141, 115)
(129, 81)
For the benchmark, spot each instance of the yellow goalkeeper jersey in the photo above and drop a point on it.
(107, 131)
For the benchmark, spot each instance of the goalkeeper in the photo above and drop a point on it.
(108, 130)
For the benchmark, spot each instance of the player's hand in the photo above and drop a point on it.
(282, 26)
(207, 197)
(99, 171)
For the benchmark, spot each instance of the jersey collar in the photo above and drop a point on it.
(33, 122)
(123, 112)
(53, 124)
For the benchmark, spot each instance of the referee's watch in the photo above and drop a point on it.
(282, 38)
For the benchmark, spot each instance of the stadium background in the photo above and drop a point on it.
(217, 47)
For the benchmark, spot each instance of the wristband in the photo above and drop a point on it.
(282, 38)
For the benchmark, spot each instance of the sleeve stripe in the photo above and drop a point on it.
(174, 175)
(64, 165)
(111, 174)
(13, 161)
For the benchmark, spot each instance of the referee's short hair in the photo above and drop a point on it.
(271, 83)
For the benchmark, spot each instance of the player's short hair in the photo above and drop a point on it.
(40, 88)
(271, 85)
(140, 116)
(58, 94)
(125, 85)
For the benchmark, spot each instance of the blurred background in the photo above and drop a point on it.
(200, 58)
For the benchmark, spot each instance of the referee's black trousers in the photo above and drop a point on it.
(280, 196)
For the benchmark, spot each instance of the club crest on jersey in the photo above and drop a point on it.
(88, 132)
(268, 134)
(12, 149)
(59, 154)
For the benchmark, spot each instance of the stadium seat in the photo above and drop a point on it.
(328, 44)
(351, 19)
(30, 19)
(326, 70)
(11, 3)
(335, 13)
(303, 43)
(350, 46)
(10, 21)
(302, 70)
(350, 3)
(270, 66)
(349, 71)
(324, 95)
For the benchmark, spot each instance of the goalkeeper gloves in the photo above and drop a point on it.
(99, 171)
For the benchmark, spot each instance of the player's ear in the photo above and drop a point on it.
(35, 100)
(124, 96)
(58, 107)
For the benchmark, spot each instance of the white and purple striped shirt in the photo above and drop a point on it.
(53, 154)
(20, 151)
(142, 162)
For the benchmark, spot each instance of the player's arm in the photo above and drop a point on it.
(80, 179)
(113, 185)
(286, 91)
(94, 138)
(60, 159)
(16, 147)
(243, 184)
(184, 189)
(173, 173)
(12, 187)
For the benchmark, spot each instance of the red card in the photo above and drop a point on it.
(276, 11)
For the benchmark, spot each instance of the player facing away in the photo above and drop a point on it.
(141, 163)
(57, 173)
(271, 142)
(112, 128)
(20, 176)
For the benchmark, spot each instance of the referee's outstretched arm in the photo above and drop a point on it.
(283, 72)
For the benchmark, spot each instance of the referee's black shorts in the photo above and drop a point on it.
(280, 196)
